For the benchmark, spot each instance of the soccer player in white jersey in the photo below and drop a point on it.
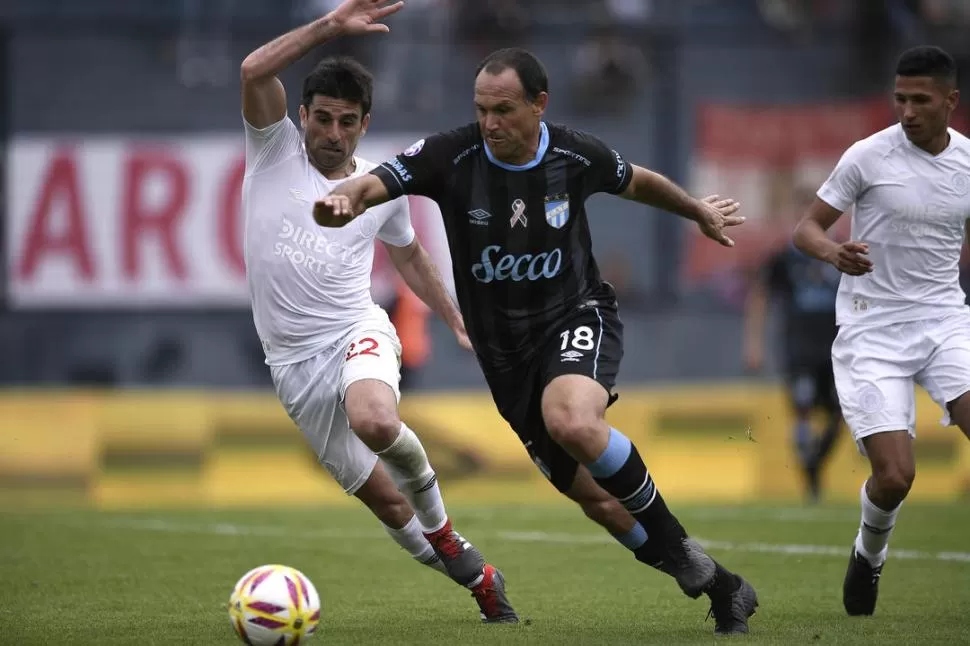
(900, 308)
(333, 354)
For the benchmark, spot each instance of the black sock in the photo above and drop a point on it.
(621, 471)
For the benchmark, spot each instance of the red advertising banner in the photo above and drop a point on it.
(772, 159)
(125, 222)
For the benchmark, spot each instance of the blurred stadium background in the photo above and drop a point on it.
(131, 372)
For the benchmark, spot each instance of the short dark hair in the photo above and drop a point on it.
(340, 77)
(531, 72)
(927, 61)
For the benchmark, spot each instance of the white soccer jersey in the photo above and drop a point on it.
(910, 208)
(309, 285)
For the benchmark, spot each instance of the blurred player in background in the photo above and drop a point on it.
(545, 327)
(901, 312)
(333, 354)
(805, 290)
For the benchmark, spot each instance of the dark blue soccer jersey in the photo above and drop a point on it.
(519, 238)
(806, 288)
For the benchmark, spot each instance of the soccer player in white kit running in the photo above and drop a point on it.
(333, 354)
(900, 306)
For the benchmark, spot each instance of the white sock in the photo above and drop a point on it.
(408, 466)
(872, 541)
(414, 543)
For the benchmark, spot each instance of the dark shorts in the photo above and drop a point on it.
(590, 343)
(810, 382)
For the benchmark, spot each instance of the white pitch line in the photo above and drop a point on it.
(781, 514)
(776, 514)
(227, 529)
(727, 546)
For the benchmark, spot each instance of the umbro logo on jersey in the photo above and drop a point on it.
(571, 355)
(298, 195)
(479, 217)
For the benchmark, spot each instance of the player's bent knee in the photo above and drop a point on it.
(893, 483)
(377, 430)
(572, 410)
(569, 426)
(375, 423)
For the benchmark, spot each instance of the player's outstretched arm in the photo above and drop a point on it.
(420, 273)
(712, 214)
(811, 237)
(349, 200)
(263, 97)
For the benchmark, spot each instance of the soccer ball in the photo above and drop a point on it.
(274, 605)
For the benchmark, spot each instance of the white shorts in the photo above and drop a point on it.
(312, 392)
(876, 368)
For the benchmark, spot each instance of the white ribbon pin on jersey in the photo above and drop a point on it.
(518, 214)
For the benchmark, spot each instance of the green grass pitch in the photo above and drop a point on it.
(163, 577)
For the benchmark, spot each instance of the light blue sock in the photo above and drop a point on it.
(614, 456)
(633, 539)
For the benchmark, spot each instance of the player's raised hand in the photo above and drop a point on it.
(716, 215)
(364, 16)
(850, 258)
(333, 211)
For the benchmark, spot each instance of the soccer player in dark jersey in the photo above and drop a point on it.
(805, 290)
(544, 326)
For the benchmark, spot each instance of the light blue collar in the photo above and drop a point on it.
(540, 152)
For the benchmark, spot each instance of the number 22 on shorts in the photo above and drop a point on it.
(364, 346)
